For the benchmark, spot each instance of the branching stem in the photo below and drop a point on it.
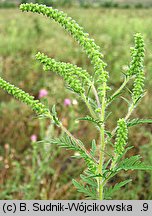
(96, 96)
(102, 145)
(130, 110)
(93, 114)
(78, 143)
(118, 91)
(74, 139)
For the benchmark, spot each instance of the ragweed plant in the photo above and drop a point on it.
(94, 90)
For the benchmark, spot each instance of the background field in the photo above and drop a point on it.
(22, 35)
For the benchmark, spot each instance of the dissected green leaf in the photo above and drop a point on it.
(125, 151)
(133, 163)
(112, 98)
(90, 119)
(89, 180)
(108, 133)
(54, 115)
(138, 121)
(66, 142)
(92, 103)
(85, 189)
(94, 148)
(108, 193)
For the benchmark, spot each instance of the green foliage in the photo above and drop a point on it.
(7, 4)
(66, 142)
(135, 122)
(109, 192)
(90, 119)
(55, 117)
(85, 190)
(133, 163)
(108, 3)
(69, 144)
(93, 148)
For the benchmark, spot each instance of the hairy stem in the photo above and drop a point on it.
(74, 139)
(96, 96)
(78, 143)
(127, 78)
(93, 114)
(130, 110)
(102, 145)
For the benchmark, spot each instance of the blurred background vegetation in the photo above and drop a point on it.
(39, 170)
(83, 3)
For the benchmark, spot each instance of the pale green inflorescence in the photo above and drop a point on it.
(138, 68)
(91, 49)
(121, 136)
(138, 88)
(74, 76)
(19, 94)
(137, 54)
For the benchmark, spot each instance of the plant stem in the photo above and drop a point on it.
(89, 107)
(96, 95)
(127, 78)
(74, 139)
(78, 143)
(130, 110)
(102, 145)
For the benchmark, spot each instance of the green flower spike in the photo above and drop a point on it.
(138, 88)
(19, 94)
(74, 76)
(138, 68)
(70, 25)
(137, 54)
(121, 137)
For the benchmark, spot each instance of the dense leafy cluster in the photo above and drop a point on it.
(19, 94)
(121, 137)
(74, 76)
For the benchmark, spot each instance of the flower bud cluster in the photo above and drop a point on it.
(137, 68)
(121, 136)
(91, 49)
(137, 54)
(70, 25)
(19, 94)
(138, 88)
(102, 77)
(75, 76)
